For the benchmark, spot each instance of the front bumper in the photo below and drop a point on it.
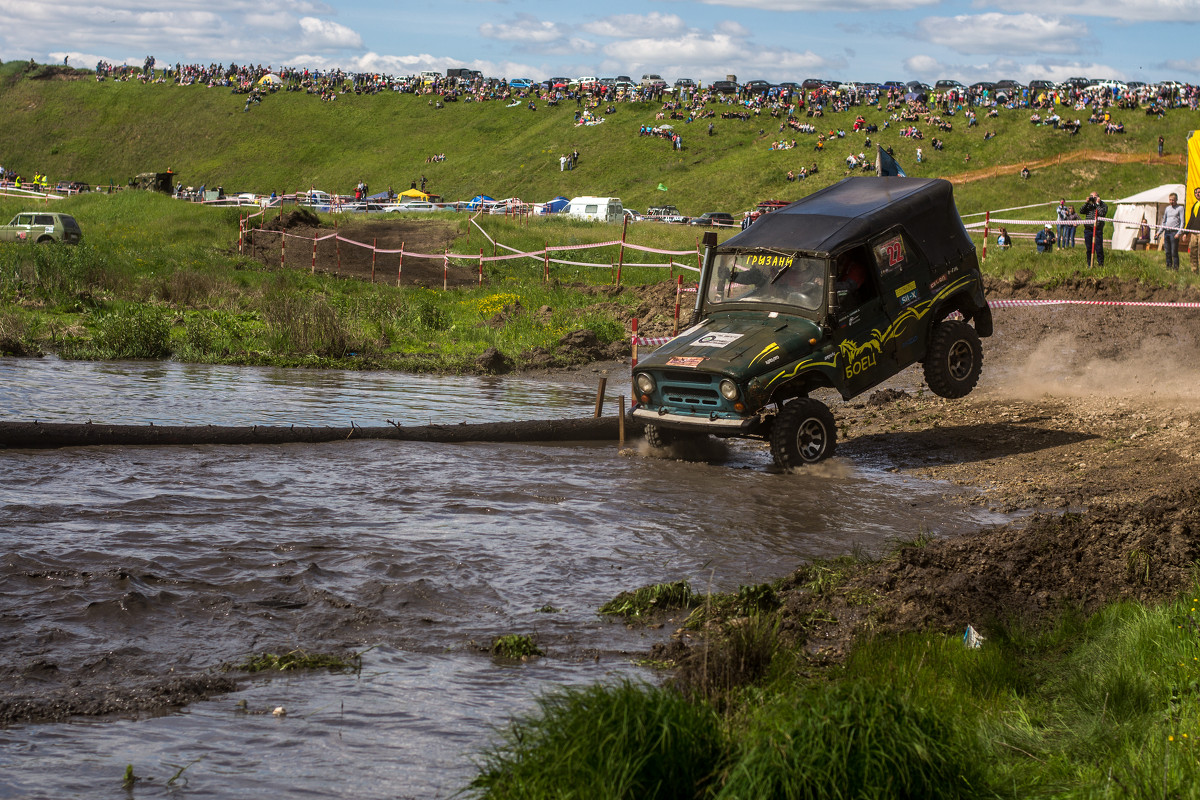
(719, 426)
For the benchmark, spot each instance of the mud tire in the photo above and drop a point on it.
(953, 360)
(804, 433)
(664, 437)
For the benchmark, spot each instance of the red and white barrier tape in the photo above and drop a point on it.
(660, 340)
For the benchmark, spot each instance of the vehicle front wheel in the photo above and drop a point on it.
(954, 359)
(804, 432)
(665, 437)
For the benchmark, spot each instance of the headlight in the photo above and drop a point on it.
(729, 389)
(645, 384)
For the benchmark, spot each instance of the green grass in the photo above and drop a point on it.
(1089, 707)
(67, 129)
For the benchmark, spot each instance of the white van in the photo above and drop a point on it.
(598, 209)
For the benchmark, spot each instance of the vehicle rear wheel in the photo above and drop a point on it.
(954, 359)
(804, 433)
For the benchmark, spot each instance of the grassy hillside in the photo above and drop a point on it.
(107, 132)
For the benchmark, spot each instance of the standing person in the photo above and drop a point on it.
(562, 163)
(1094, 212)
(1160, 146)
(1171, 227)
(1002, 240)
(1072, 223)
(1193, 230)
(1061, 212)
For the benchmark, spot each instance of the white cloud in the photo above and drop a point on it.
(710, 56)
(525, 29)
(1004, 33)
(125, 31)
(322, 34)
(929, 70)
(822, 6)
(624, 26)
(1127, 10)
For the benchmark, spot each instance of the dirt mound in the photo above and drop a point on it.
(296, 218)
(1024, 572)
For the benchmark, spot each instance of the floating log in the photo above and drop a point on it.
(45, 435)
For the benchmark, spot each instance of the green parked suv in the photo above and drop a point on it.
(842, 289)
(41, 227)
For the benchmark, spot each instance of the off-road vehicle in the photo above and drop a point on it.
(42, 227)
(842, 290)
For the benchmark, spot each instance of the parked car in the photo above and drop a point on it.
(415, 207)
(665, 214)
(724, 87)
(842, 289)
(711, 219)
(521, 83)
(42, 227)
(685, 83)
(757, 87)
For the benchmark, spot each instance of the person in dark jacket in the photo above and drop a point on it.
(1045, 239)
(1094, 212)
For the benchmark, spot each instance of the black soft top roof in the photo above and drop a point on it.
(855, 209)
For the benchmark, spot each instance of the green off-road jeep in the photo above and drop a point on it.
(41, 227)
(842, 289)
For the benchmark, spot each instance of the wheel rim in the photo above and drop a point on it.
(811, 439)
(960, 360)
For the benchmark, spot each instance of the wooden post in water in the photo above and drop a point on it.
(600, 397)
(621, 423)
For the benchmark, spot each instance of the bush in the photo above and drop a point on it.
(132, 332)
(621, 741)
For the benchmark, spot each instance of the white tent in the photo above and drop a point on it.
(1149, 204)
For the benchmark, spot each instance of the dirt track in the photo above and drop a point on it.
(1074, 156)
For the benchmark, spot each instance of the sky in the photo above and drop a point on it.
(705, 40)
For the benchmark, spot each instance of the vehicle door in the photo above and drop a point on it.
(18, 229)
(904, 290)
(863, 358)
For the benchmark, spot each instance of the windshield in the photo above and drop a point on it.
(767, 277)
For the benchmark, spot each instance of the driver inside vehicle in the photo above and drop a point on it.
(795, 280)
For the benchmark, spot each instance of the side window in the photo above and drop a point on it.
(24, 219)
(855, 282)
(43, 219)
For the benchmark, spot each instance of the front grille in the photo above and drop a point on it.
(695, 389)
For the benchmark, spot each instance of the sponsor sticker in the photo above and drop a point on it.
(716, 339)
(911, 286)
(684, 361)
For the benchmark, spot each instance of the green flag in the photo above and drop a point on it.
(662, 188)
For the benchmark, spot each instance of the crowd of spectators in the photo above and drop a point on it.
(797, 110)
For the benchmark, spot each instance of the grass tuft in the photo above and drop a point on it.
(640, 603)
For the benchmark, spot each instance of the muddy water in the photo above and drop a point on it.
(124, 569)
